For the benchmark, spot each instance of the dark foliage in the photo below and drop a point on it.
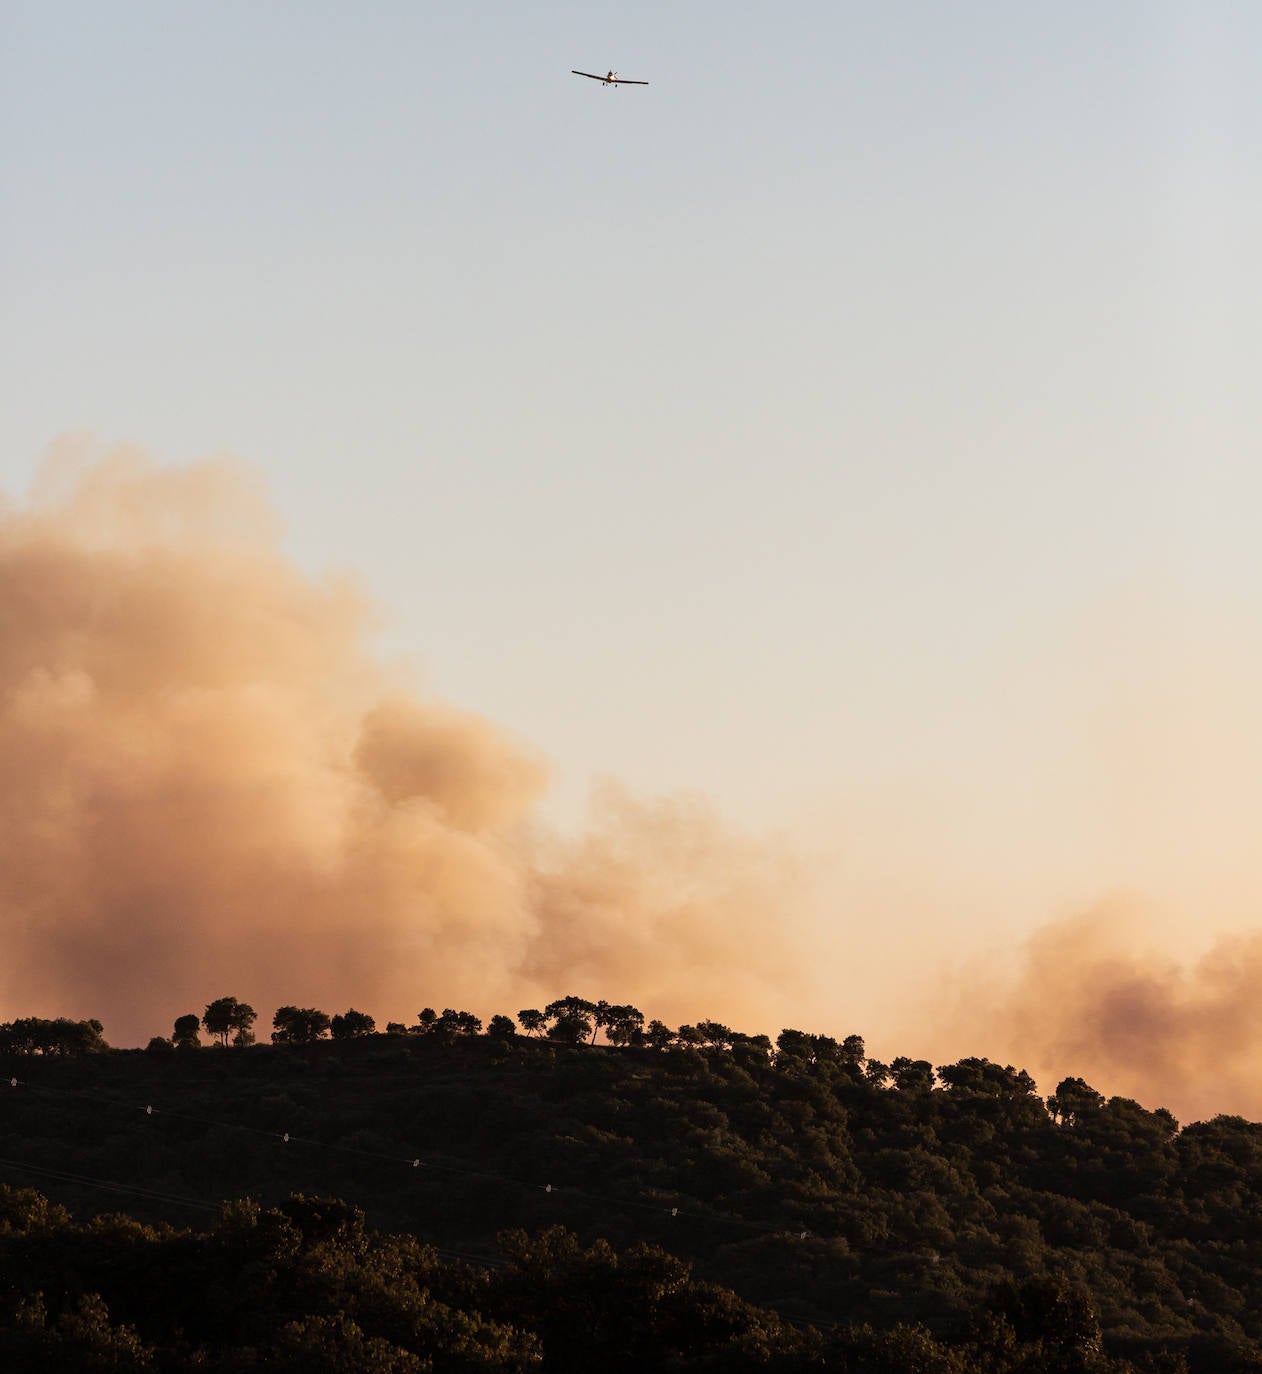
(32, 1035)
(871, 1218)
(350, 1025)
(299, 1025)
(225, 1017)
(306, 1287)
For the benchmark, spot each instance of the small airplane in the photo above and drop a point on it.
(609, 78)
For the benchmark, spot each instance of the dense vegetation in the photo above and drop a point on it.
(870, 1217)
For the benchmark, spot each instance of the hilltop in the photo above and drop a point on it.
(801, 1178)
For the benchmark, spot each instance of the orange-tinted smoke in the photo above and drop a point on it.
(209, 786)
(1090, 998)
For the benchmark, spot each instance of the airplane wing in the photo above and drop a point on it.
(613, 81)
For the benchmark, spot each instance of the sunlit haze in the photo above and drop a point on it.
(778, 544)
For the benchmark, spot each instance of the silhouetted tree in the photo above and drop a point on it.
(793, 1045)
(876, 1073)
(570, 1028)
(715, 1034)
(825, 1050)
(991, 1080)
(185, 1035)
(912, 1075)
(751, 1051)
(623, 1023)
(299, 1025)
(532, 1022)
(1074, 1099)
(36, 1035)
(572, 1018)
(225, 1015)
(454, 1023)
(501, 1028)
(599, 1017)
(352, 1024)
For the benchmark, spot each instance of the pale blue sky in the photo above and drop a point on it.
(800, 429)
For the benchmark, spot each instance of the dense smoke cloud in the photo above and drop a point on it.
(210, 786)
(1091, 998)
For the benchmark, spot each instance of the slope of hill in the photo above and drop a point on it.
(798, 1183)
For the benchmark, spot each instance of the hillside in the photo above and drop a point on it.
(797, 1180)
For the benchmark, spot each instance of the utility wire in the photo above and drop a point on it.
(108, 1185)
(415, 1162)
(487, 1262)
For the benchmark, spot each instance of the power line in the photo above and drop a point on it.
(493, 1263)
(655, 1207)
(109, 1185)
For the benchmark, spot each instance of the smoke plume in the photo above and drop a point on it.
(1090, 998)
(210, 786)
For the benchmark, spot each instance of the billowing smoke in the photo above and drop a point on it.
(210, 786)
(1092, 999)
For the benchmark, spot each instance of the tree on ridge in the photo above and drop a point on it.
(225, 1015)
(299, 1025)
(352, 1024)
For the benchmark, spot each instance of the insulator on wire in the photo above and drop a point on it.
(549, 1188)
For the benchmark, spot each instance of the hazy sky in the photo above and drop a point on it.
(859, 425)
